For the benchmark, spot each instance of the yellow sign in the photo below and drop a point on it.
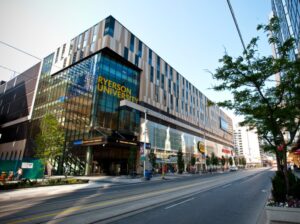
(201, 147)
(112, 88)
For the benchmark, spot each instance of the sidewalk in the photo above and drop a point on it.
(94, 182)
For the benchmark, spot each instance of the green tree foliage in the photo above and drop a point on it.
(50, 140)
(223, 161)
(180, 162)
(208, 161)
(214, 159)
(193, 160)
(152, 159)
(236, 161)
(244, 162)
(231, 161)
(269, 106)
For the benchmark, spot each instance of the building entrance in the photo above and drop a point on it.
(109, 160)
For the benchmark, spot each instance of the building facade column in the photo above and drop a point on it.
(88, 164)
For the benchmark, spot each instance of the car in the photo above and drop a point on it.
(233, 168)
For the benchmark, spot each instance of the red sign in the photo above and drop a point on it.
(227, 151)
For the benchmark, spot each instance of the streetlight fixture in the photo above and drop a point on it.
(145, 131)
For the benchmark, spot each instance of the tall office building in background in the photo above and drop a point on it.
(288, 12)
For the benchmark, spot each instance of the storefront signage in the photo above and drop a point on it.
(226, 151)
(201, 147)
(27, 165)
(112, 88)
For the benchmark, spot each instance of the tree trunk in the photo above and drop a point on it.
(278, 160)
(287, 184)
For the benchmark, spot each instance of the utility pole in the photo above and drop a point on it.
(145, 131)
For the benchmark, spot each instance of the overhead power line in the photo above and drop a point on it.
(18, 49)
(1, 66)
(236, 24)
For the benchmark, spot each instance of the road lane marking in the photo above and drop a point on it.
(65, 212)
(171, 206)
(105, 203)
(227, 185)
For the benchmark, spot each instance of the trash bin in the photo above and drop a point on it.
(148, 175)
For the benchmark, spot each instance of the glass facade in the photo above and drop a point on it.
(166, 138)
(85, 98)
(288, 12)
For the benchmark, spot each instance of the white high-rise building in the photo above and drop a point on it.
(247, 145)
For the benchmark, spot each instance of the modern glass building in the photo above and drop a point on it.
(115, 96)
(288, 12)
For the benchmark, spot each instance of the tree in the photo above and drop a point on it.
(180, 162)
(152, 159)
(244, 162)
(208, 161)
(269, 106)
(214, 159)
(236, 161)
(49, 141)
(193, 160)
(230, 161)
(223, 161)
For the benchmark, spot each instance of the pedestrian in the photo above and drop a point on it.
(19, 173)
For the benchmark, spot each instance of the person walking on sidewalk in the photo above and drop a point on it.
(19, 173)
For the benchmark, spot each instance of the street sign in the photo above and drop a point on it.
(148, 145)
(77, 142)
(143, 158)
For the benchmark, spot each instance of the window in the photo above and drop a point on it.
(74, 57)
(81, 55)
(136, 61)
(165, 98)
(166, 69)
(131, 47)
(174, 88)
(57, 53)
(162, 81)
(109, 26)
(156, 93)
(86, 37)
(158, 63)
(139, 53)
(157, 78)
(171, 73)
(171, 102)
(126, 53)
(150, 57)
(63, 51)
(79, 40)
(151, 74)
(169, 86)
(95, 32)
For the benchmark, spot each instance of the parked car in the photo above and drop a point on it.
(233, 168)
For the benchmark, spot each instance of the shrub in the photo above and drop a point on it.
(279, 189)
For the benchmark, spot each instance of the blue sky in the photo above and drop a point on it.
(191, 35)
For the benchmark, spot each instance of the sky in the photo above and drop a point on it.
(191, 35)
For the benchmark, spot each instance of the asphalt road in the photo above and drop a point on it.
(239, 202)
(236, 197)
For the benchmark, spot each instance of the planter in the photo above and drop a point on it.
(282, 214)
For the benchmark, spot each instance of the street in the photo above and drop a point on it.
(235, 197)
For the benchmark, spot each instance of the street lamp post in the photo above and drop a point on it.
(145, 131)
